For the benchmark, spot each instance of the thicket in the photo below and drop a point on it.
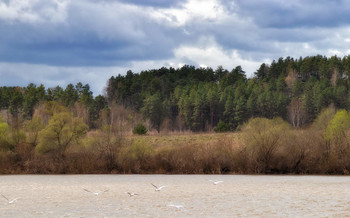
(263, 146)
(291, 117)
(140, 129)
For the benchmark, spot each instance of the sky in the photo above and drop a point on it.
(57, 42)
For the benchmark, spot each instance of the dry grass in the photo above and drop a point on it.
(182, 153)
(177, 139)
(299, 152)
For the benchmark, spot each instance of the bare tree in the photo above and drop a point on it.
(296, 113)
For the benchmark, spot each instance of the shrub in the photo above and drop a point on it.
(106, 143)
(140, 129)
(33, 127)
(263, 138)
(4, 136)
(222, 127)
(337, 138)
(62, 131)
(337, 127)
(136, 158)
(324, 118)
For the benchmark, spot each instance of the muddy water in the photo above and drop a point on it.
(183, 196)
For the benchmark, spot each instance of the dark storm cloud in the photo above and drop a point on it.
(72, 37)
(91, 35)
(112, 33)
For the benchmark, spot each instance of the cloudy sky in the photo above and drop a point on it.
(56, 42)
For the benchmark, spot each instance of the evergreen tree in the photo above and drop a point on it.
(240, 113)
(154, 109)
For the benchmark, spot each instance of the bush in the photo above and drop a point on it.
(62, 131)
(136, 157)
(324, 118)
(263, 138)
(140, 129)
(222, 127)
(4, 136)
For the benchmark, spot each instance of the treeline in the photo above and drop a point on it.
(200, 99)
(18, 104)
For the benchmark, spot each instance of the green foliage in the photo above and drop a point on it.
(18, 136)
(9, 139)
(70, 95)
(262, 72)
(240, 114)
(33, 127)
(16, 102)
(140, 150)
(154, 109)
(53, 107)
(32, 96)
(340, 96)
(322, 120)
(337, 127)
(137, 156)
(4, 136)
(100, 103)
(4, 127)
(222, 127)
(140, 129)
(62, 131)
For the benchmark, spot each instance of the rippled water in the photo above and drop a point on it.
(195, 196)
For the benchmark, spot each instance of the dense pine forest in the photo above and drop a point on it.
(199, 99)
(290, 117)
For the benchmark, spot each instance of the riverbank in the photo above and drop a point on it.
(269, 151)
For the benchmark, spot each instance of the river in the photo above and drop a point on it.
(183, 196)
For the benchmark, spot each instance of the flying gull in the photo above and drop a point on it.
(176, 206)
(95, 193)
(158, 188)
(131, 194)
(215, 182)
(10, 201)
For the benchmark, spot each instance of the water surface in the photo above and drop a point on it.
(236, 196)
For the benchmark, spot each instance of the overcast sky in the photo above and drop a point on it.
(57, 42)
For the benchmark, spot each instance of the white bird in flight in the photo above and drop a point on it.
(176, 206)
(131, 194)
(95, 193)
(215, 182)
(158, 188)
(10, 201)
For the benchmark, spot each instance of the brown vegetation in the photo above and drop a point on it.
(56, 142)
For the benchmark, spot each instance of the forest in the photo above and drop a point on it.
(198, 99)
(282, 106)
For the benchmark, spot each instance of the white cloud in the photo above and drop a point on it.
(34, 11)
(23, 74)
(199, 10)
(332, 52)
(210, 54)
(17, 10)
(206, 53)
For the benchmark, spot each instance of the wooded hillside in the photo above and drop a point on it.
(58, 130)
(199, 99)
